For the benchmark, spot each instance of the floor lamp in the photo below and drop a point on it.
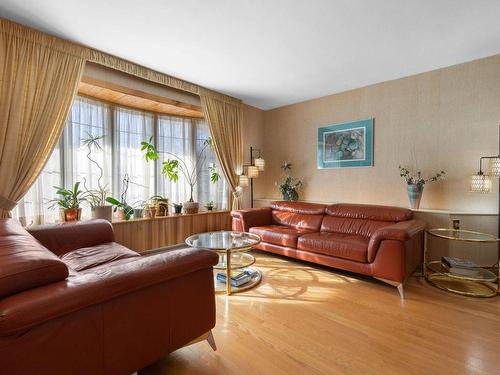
(481, 183)
(251, 171)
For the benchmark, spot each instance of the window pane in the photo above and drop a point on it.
(207, 190)
(174, 138)
(121, 131)
(131, 128)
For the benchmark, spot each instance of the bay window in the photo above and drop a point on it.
(121, 131)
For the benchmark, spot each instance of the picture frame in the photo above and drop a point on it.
(346, 145)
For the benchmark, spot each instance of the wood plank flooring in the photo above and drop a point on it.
(307, 319)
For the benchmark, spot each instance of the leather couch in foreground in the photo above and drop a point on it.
(72, 301)
(379, 241)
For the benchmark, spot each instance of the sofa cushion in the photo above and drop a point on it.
(359, 227)
(91, 257)
(25, 263)
(279, 234)
(299, 207)
(298, 214)
(340, 245)
(369, 212)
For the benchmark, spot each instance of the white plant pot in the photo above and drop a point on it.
(102, 212)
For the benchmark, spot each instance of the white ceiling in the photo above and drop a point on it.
(275, 52)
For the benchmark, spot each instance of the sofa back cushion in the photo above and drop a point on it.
(24, 263)
(299, 215)
(361, 219)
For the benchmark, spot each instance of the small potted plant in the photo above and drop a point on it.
(123, 209)
(210, 206)
(161, 205)
(69, 202)
(139, 209)
(149, 211)
(177, 208)
(289, 186)
(415, 184)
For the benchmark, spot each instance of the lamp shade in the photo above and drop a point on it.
(495, 167)
(480, 183)
(243, 180)
(261, 163)
(252, 171)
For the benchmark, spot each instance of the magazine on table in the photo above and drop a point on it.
(452, 262)
(238, 279)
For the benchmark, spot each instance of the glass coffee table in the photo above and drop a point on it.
(233, 249)
(480, 281)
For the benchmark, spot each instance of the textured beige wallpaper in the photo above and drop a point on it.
(444, 119)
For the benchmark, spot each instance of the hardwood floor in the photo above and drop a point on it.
(306, 319)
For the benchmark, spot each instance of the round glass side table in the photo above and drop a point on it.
(481, 281)
(233, 249)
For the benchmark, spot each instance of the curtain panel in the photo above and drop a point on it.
(38, 80)
(224, 120)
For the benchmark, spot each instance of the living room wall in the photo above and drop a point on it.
(443, 119)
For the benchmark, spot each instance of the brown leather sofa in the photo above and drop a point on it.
(379, 241)
(92, 306)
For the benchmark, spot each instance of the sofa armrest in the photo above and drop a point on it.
(243, 220)
(22, 311)
(66, 237)
(402, 231)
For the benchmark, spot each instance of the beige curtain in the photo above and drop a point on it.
(224, 120)
(39, 76)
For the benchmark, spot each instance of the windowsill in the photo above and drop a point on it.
(170, 216)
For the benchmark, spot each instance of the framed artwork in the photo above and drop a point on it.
(346, 145)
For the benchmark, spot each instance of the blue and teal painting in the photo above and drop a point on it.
(346, 145)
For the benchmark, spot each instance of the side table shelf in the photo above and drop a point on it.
(482, 281)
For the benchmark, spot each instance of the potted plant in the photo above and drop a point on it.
(289, 186)
(415, 184)
(210, 206)
(97, 197)
(69, 202)
(139, 209)
(123, 209)
(177, 208)
(171, 168)
(161, 204)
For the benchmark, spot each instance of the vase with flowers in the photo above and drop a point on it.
(415, 184)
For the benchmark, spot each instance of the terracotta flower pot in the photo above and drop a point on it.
(72, 214)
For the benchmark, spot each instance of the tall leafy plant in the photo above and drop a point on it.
(175, 166)
(96, 197)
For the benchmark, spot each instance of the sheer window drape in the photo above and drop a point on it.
(121, 131)
(131, 128)
(185, 138)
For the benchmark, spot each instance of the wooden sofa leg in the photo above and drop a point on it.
(211, 341)
(394, 283)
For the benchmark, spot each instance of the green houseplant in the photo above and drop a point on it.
(289, 186)
(121, 206)
(69, 201)
(175, 166)
(415, 184)
(210, 206)
(97, 197)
